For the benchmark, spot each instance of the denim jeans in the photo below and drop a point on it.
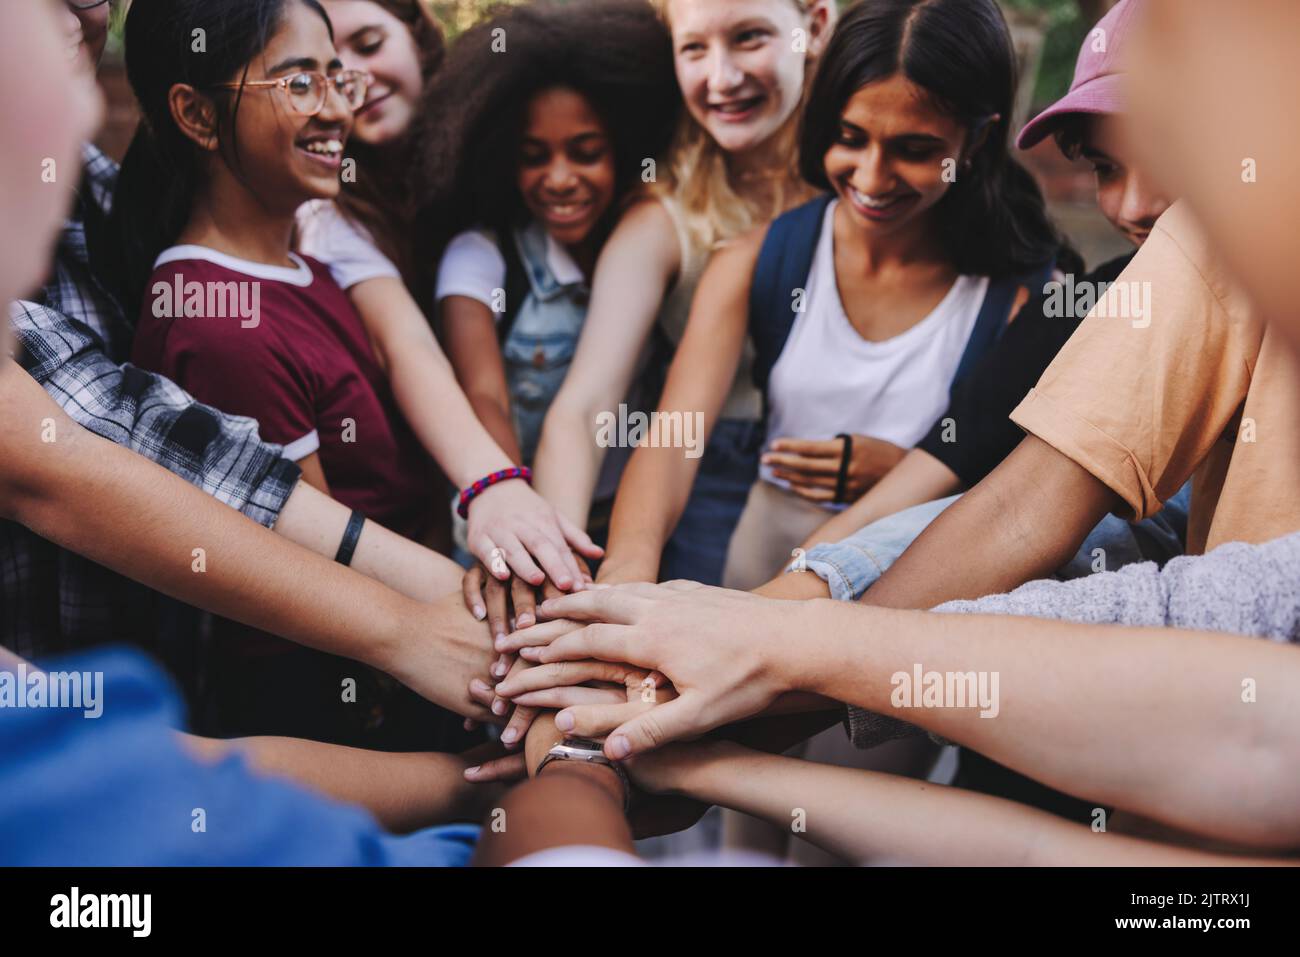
(697, 549)
(853, 565)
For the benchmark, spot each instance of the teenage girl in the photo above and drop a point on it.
(742, 68)
(235, 138)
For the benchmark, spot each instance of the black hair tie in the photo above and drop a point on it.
(842, 479)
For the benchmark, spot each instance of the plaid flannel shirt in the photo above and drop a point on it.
(74, 342)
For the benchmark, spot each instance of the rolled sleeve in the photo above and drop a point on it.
(851, 566)
(1140, 396)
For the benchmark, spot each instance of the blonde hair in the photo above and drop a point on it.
(699, 179)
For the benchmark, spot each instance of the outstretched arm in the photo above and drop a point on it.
(657, 482)
(881, 818)
(114, 507)
(1007, 530)
(404, 791)
(510, 516)
(636, 266)
(1065, 693)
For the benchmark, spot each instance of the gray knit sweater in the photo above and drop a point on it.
(1242, 589)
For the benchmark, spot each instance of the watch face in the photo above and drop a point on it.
(583, 744)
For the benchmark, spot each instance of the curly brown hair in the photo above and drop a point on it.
(615, 53)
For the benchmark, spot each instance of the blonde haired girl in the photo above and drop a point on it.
(741, 66)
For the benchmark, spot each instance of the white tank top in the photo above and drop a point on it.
(828, 379)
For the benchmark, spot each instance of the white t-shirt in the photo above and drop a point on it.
(828, 379)
(472, 266)
(324, 233)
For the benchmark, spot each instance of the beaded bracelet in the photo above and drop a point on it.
(482, 485)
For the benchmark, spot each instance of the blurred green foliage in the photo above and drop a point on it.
(1065, 27)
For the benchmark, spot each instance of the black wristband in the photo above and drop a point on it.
(351, 535)
(842, 478)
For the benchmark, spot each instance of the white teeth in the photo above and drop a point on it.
(325, 147)
(869, 202)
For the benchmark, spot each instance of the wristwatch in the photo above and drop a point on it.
(585, 749)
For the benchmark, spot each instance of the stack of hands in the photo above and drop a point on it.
(639, 666)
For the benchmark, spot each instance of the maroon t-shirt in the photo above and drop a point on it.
(286, 347)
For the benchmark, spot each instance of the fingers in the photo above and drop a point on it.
(472, 588)
(813, 494)
(556, 698)
(579, 540)
(806, 478)
(604, 641)
(803, 463)
(564, 673)
(815, 448)
(481, 693)
(521, 719)
(598, 720)
(495, 593)
(654, 727)
(519, 560)
(542, 634)
(523, 598)
(619, 604)
(500, 704)
(555, 558)
(512, 767)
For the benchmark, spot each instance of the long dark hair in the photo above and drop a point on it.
(616, 53)
(993, 221)
(160, 174)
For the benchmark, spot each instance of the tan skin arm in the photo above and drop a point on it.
(636, 266)
(867, 816)
(469, 331)
(404, 791)
(917, 479)
(1024, 521)
(117, 508)
(657, 482)
(568, 804)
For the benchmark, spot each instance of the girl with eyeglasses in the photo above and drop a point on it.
(246, 109)
(366, 236)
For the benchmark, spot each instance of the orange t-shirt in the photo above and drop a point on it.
(1189, 385)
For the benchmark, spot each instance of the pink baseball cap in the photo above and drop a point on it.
(1098, 76)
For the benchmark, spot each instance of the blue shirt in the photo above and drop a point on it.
(121, 790)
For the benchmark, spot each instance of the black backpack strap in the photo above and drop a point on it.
(516, 287)
(784, 262)
(994, 313)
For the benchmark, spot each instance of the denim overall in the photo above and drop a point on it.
(542, 340)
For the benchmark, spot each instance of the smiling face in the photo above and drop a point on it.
(1127, 197)
(372, 39)
(566, 165)
(284, 157)
(887, 163)
(51, 110)
(740, 75)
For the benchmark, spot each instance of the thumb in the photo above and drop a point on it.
(652, 729)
